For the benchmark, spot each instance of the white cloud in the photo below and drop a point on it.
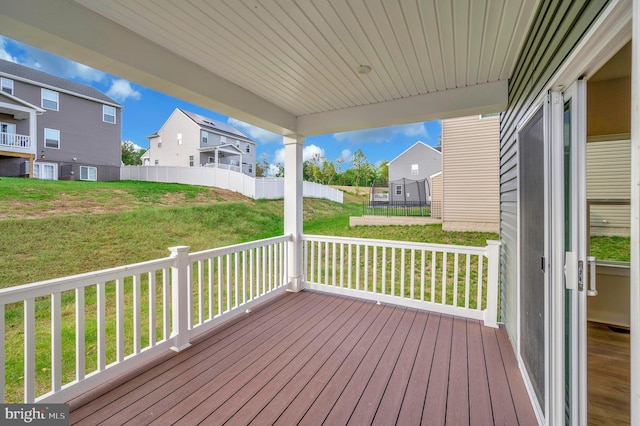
(346, 155)
(382, 134)
(256, 133)
(135, 145)
(272, 170)
(122, 90)
(308, 152)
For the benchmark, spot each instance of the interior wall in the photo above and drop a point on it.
(608, 107)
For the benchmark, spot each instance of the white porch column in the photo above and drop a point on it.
(635, 216)
(293, 207)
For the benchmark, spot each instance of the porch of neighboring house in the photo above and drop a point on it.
(314, 358)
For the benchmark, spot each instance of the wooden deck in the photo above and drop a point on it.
(311, 358)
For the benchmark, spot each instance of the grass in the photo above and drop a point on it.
(54, 229)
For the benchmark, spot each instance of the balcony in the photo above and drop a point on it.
(13, 142)
(383, 332)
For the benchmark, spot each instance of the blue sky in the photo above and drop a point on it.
(145, 111)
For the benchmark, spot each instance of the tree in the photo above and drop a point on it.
(361, 167)
(383, 171)
(131, 153)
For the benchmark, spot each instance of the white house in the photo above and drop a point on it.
(187, 139)
(416, 163)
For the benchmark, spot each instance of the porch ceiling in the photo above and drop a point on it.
(292, 66)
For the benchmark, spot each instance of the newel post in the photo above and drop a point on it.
(293, 208)
(180, 298)
(493, 265)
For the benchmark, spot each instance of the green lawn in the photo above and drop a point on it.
(54, 229)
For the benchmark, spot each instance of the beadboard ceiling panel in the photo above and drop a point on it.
(299, 58)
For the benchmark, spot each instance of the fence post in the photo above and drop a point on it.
(179, 298)
(493, 265)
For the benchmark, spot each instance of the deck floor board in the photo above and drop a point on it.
(310, 358)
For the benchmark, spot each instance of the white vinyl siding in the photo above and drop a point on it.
(108, 114)
(52, 138)
(608, 178)
(88, 173)
(50, 100)
(470, 170)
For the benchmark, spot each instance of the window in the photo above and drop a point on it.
(414, 169)
(88, 173)
(223, 139)
(250, 168)
(398, 189)
(6, 85)
(179, 137)
(47, 171)
(205, 137)
(50, 99)
(52, 138)
(108, 114)
(191, 161)
(159, 142)
(156, 162)
(211, 160)
(248, 148)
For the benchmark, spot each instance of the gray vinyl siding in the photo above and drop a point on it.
(470, 160)
(85, 139)
(429, 162)
(609, 177)
(556, 29)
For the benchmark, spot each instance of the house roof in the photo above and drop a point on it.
(215, 125)
(302, 70)
(30, 75)
(419, 143)
(17, 107)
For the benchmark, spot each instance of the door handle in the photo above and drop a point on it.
(570, 270)
(591, 261)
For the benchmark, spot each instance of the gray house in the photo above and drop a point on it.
(53, 128)
(410, 173)
(187, 139)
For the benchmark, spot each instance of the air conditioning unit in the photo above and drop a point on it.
(24, 168)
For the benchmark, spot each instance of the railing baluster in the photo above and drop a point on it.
(102, 326)
(29, 350)
(412, 270)
(151, 282)
(467, 281)
(350, 267)
(375, 269)
(166, 312)
(211, 287)
(264, 270)
(357, 266)
(136, 314)
(480, 270)
(80, 326)
(393, 271)
(326, 263)
(236, 278)
(444, 278)
(341, 264)
(200, 292)
(366, 268)
(244, 276)
(383, 289)
(228, 276)
(333, 264)
(190, 312)
(56, 341)
(119, 320)
(402, 272)
(455, 279)
(251, 271)
(434, 259)
(219, 285)
(270, 256)
(422, 266)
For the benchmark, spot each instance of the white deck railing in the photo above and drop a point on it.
(451, 279)
(14, 140)
(102, 324)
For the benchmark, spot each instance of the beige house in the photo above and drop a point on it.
(466, 195)
(187, 139)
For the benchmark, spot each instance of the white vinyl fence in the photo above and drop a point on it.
(256, 188)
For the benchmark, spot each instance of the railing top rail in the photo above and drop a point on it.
(47, 287)
(399, 244)
(221, 251)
